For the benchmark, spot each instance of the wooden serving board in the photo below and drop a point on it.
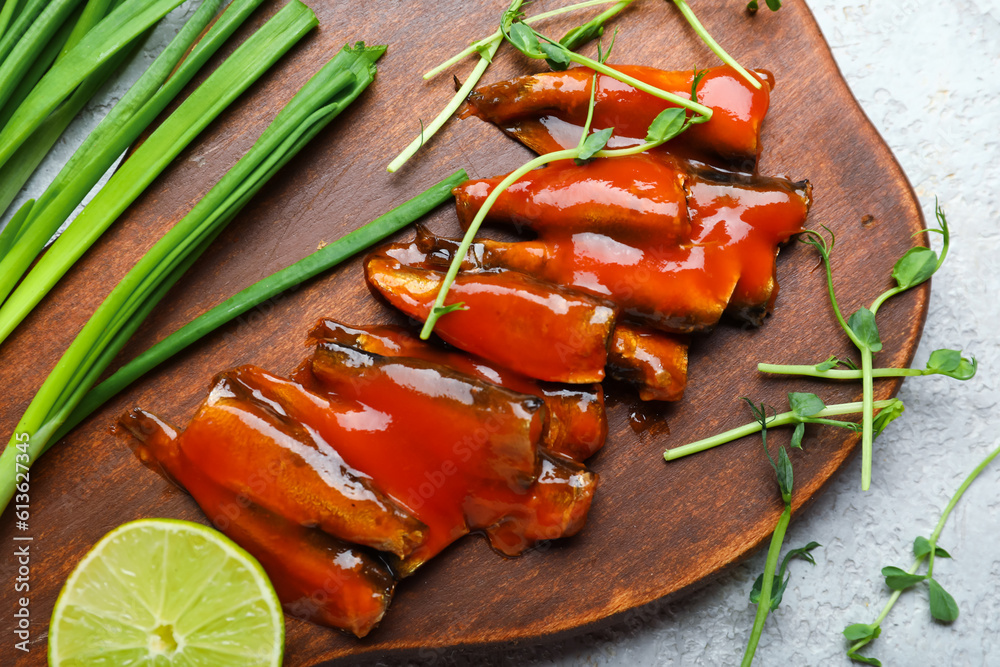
(655, 529)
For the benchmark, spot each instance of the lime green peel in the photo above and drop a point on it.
(162, 591)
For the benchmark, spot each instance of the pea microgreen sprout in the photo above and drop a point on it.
(700, 30)
(945, 362)
(765, 601)
(538, 46)
(487, 48)
(428, 131)
(942, 605)
(572, 40)
(773, 5)
(915, 267)
(668, 124)
(781, 579)
(805, 409)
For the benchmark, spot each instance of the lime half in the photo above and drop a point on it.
(166, 592)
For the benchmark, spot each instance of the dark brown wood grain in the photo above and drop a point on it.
(655, 529)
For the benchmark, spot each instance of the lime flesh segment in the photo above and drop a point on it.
(161, 592)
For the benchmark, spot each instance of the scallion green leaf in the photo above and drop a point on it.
(254, 57)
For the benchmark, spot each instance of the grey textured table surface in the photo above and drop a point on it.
(927, 75)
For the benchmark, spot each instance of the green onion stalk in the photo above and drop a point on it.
(254, 57)
(118, 29)
(261, 291)
(323, 98)
(141, 104)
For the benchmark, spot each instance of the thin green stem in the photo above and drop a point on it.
(961, 490)
(764, 603)
(885, 296)
(712, 44)
(497, 36)
(590, 113)
(933, 544)
(836, 307)
(839, 374)
(868, 414)
(783, 419)
(684, 102)
(470, 234)
(432, 128)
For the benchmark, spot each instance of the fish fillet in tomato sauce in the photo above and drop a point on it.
(546, 112)
(317, 577)
(455, 439)
(727, 261)
(654, 361)
(576, 426)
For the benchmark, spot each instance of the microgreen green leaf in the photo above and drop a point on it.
(943, 606)
(886, 416)
(777, 590)
(944, 360)
(914, 267)
(773, 5)
(780, 580)
(484, 51)
(857, 657)
(804, 404)
(556, 56)
(803, 553)
(581, 35)
(798, 434)
(922, 547)
(699, 74)
(784, 470)
(667, 125)
(860, 631)
(862, 323)
(592, 29)
(524, 40)
(450, 308)
(900, 580)
(952, 364)
(594, 142)
(834, 362)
